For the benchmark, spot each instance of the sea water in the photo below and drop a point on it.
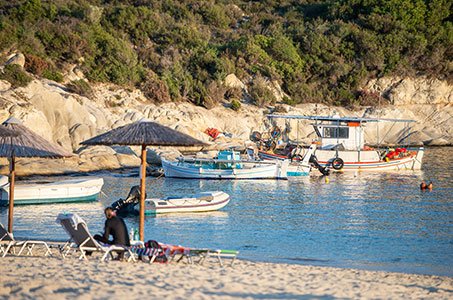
(375, 221)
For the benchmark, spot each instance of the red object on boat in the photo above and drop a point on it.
(392, 154)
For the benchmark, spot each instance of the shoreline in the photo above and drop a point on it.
(62, 169)
(54, 278)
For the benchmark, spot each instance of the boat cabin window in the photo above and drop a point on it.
(336, 132)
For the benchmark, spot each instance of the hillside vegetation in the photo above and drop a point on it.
(319, 51)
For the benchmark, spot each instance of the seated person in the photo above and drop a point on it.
(115, 227)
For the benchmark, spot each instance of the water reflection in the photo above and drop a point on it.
(374, 221)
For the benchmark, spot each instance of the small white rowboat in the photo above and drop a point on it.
(202, 202)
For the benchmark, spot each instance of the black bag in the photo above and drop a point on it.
(160, 257)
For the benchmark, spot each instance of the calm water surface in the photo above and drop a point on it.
(368, 221)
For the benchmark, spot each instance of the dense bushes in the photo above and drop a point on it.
(320, 51)
(15, 75)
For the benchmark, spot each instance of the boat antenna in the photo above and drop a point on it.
(377, 127)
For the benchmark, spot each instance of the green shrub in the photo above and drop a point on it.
(156, 90)
(260, 92)
(289, 101)
(15, 75)
(235, 104)
(233, 93)
(320, 51)
(52, 74)
(80, 87)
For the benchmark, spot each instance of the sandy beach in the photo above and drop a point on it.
(55, 278)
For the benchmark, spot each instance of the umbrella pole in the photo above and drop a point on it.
(142, 194)
(12, 171)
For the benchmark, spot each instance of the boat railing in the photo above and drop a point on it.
(214, 160)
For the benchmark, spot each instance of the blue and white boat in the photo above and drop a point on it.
(227, 165)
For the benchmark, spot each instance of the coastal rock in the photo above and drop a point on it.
(406, 91)
(154, 156)
(233, 82)
(128, 160)
(437, 142)
(16, 59)
(39, 166)
(98, 157)
(74, 73)
(4, 85)
(66, 118)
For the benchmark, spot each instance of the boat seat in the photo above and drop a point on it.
(206, 198)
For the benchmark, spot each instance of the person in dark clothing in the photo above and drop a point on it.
(115, 227)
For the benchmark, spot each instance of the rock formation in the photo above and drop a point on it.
(67, 119)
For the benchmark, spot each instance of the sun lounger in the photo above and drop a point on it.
(177, 252)
(82, 240)
(8, 243)
(203, 254)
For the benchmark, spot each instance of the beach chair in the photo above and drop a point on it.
(204, 253)
(8, 243)
(82, 240)
(176, 252)
(150, 249)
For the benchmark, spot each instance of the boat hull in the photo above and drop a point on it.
(270, 171)
(203, 202)
(370, 160)
(294, 168)
(65, 191)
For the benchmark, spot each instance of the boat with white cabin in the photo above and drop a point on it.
(341, 145)
(47, 192)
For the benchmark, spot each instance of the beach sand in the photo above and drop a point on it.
(55, 278)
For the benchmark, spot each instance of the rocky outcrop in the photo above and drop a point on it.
(16, 59)
(233, 82)
(410, 91)
(67, 119)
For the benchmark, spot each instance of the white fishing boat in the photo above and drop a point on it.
(202, 202)
(228, 165)
(341, 145)
(45, 192)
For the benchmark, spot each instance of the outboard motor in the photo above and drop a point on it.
(314, 161)
(124, 207)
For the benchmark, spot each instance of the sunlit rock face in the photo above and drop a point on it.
(68, 119)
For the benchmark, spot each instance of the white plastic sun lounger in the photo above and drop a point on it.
(203, 254)
(7, 243)
(82, 240)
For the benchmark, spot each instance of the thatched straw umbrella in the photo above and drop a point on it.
(25, 144)
(143, 133)
(5, 132)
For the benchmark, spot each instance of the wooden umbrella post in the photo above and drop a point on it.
(12, 171)
(142, 194)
